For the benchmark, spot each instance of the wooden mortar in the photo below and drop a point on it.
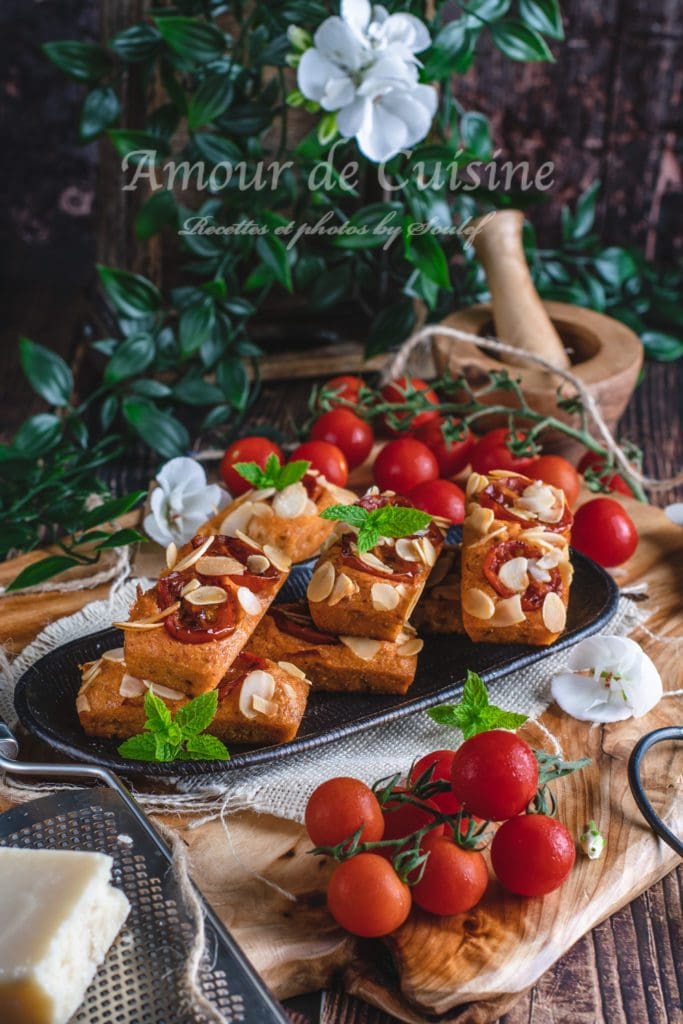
(604, 354)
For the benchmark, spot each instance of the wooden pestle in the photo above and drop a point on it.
(519, 316)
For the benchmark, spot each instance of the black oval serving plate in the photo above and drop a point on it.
(45, 695)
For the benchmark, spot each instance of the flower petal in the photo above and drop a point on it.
(582, 698)
(157, 530)
(339, 92)
(382, 134)
(388, 72)
(337, 42)
(357, 14)
(414, 114)
(350, 119)
(314, 73)
(181, 472)
(407, 32)
(647, 692)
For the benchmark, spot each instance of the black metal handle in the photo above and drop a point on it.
(671, 732)
(9, 748)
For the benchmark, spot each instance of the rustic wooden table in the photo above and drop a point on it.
(629, 968)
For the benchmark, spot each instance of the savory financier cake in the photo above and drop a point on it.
(438, 610)
(371, 593)
(516, 571)
(288, 520)
(259, 701)
(186, 630)
(345, 664)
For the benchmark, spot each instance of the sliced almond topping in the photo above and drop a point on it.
(248, 540)
(206, 595)
(191, 585)
(408, 549)
(263, 494)
(257, 564)
(82, 703)
(330, 541)
(411, 647)
(444, 564)
(554, 613)
(289, 691)
(478, 604)
(408, 630)
(502, 528)
(508, 612)
(428, 552)
(538, 573)
(480, 519)
(363, 647)
(163, 613)
(237, 519)
(115, 654)
(137, 625)
(290, 502)
(384, 597)
(165, 692)
(475, 483)
(194, 556)
(264, 707)
(501, 474)
(280, 560)
(292, 670)
(91, 671)
(256, 684)
(343, 587)
(513, 574)
(261, 508)
(549, 561)
(219, 565)
(321, 582)
(171, 555)
(374, 562)
(310, 509)
(249, 601)
(131, 686)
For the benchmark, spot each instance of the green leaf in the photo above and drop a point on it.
(130, 358)
(108, 411)
(150, 388)
(121, 539)
(110, 510)
(397, 521)
(196, 324)
(161, 431)
(369, 227)
(213, 96)
(192, 39)
(139, 748)
(86, 62)
(131, 294)
(544, 16)
(126, 141)
(47, 373)
(158, 211)
(40, 571)
(292, 472)
(100, 109)
(662, 347)
(518, 42)
(37, 435)
(216, 148)
(615, 265)
(390, 327)
(475, 132)
(584, 213)
(272, 252)
(137, 43)
(158, 715)
(231, 376)
(453, 49)
(355, 515)
(424, 251)
(198, 715)
(206, 748)
(474, 713)
(273, 475)
(196, 391)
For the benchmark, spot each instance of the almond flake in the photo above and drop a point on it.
(248, 540)
(480, 519)
(343, 587)
(363, 647)
(257, 564)
(137, 625)
(291, 501)
(193, 558)
(554, 613)
(82, 703)
(291, 670)
(191, 585)
(508, 612)
(256, 684)
(171, 555)
(165, 692)
(249, 601)
(237, 519)
(290, 692)
(429, 555)
(384, 597)
(219, 565)
(263, 494)
(206, 596)
(410, 648)
(264, 707)
(475, 483)
(321, 583)
(477, 604)
(513, 574)
(374, 562)
(115, 654)
(131, 686)
(280, 560)
(408, 550)
(163, 613)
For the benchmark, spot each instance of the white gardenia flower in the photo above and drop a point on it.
(181, 502)
(364, 66)
(611, 678)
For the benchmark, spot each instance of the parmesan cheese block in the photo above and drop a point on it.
(58, 917)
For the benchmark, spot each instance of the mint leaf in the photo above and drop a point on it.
(139, 748)
(474, 713)
(252, 473)
(196, 716)
(158, 715)
(273, 474)
(368, 535)
(291, 473)
(398, 521)
(272, 466)
(354, 515)
(206, 748)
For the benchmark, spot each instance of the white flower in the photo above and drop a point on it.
(612, 679)
(181, 502)
(364, 66)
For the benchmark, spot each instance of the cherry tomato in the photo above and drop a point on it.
(495, 774)
(352, 435)
(613, 481)
(553, 469)
(366, 896)
(403, 464)
(604, 531)
(347, 387)
(491, 452)
(326, 458)
(532, 854)
(452, 456)
(454, 879)
(338, 807)
(395, 391)
(443, 769)
(439, 498)
(401, 819)
(246, 449)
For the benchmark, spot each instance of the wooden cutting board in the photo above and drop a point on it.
(474, 966)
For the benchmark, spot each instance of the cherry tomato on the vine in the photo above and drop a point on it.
(439, 498)
(612, 481)
(246, 449)
(443, 770)
(337, 809)
(352, 435)
(326, 458)
(553, 469)
(347, 387)
(451, 456)
(366, 896)
(604, 531)
(401, 819)
(491, 452)
(403, 464)
(532, 854)
(396, 390)
(454, 879)
(495, 774)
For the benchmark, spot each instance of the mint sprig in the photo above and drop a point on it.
(179, 738)
(273, 474)
(475, 713)
(388, 521)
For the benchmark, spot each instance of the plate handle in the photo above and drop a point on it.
(671, 732)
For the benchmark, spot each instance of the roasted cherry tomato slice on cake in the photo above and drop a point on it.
(501, 496)
(536, 589)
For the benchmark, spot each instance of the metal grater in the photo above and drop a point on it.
(141, 980)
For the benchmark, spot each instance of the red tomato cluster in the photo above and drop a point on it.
(494, 775)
